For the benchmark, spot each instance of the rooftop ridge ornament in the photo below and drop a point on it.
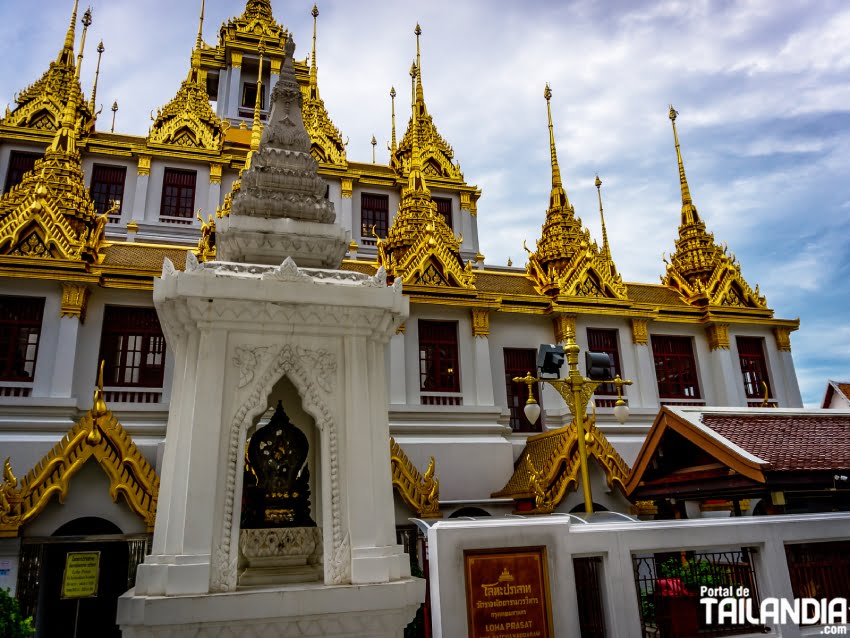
(558, 197)
(703, 272)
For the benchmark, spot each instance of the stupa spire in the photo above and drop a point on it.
(420, 94)
(558, 197)
(66, 54)
(392, 98)
(689, 211)
(86, 20)
(100, 50)
(199, 40)
(606, 248)
(257, 127)
(314, 69)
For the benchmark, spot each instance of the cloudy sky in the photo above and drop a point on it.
(762, 88)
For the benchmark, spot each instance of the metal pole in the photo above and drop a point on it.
(76, 618)
(582, 447)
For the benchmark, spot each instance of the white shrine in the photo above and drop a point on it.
(293, 329)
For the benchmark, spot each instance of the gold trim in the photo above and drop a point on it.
(144, 165)
(75, 298)
(347, 185)
(782, 335)
(640, 332)
(215, 173)
(480, 323)
(401, 329)
(420, 492)
(563, 324)
(97, 435)
(718, 336)
(236, 59)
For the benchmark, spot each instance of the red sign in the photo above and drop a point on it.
(507, 593)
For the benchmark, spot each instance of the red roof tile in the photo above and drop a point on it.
(789, 442)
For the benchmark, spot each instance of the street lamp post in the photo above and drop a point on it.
(576, 391)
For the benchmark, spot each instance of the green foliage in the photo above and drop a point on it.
(696, 572)
(12, 624)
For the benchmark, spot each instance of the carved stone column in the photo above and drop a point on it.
(140, 197)
(726, 375)
(73, 313)
(645, 393)
(481, 346)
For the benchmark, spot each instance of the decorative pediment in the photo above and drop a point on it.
(188, 120)
(549, 466)
(98, 435)
(426, 254)
(420, 492)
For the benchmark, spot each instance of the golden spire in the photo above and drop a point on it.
(392, 98)
(606, 249)
(558, 198)
(416, 180)
(689, 211)
(314, 69)
(199, 40)
(420, 95)
(257, 127)
(66, 55)
(100, 50)
(65, 140)
(413, 86)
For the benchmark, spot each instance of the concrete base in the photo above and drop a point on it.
(302, 611)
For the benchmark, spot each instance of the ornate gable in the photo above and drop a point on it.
(40, 105)
(567, 262)
(549, 466)
(703, 272)
(97, 435)
(188, 121)
(327, 145)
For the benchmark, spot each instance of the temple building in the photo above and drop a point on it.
(89, 217)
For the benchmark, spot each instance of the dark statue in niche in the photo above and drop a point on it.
(276, 483)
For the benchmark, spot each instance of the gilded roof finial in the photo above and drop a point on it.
(558, 198)
(420, 96)
(606, 249)
(114, 111)
(99, 403)
(689, 211)
(257, 127)
(66, 55)
(86, 23)
(100, 50)
(200, 38)
(374, 144)
(413, 85)
(314, 70)
(416, 180)
(392, 98)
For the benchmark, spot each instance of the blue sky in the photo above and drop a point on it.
(762, 89)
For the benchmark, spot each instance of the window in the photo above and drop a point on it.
(444, 209)
(753, 366)
(107, 186)
(20, 328)
(374, 212)
(20, 163)
(599, 340)
(133, 347)
(249, 96)
(438, 359)
(212, 86)
(519, 362)
(675, 367)
(178, 193)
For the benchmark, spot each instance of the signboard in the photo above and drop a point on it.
(507, 593)
(80, 577)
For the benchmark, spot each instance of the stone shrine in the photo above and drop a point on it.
(248, 336)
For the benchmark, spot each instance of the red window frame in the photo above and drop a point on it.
(178, 193)
(605, 340)
(107, 185)
(133, 347)
(20, 333)
(444, 209)
(439, 364)
(20, 163)
(519, 362)
(753, 366)
(675, 367)
(374, 211)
